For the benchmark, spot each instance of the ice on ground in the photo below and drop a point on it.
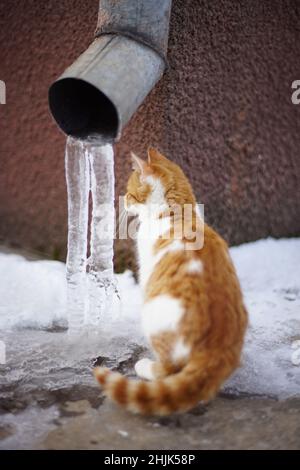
(33, 310)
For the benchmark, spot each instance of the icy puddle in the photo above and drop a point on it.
(40, 355)
(45, 366)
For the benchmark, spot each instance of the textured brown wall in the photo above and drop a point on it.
(223, 111)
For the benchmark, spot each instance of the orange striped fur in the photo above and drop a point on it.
(193, 314)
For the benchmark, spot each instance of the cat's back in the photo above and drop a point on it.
(222, 284)
(219, 273)
(215, 254)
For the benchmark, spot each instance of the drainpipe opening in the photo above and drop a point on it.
(80, 109)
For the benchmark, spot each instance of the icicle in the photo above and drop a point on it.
(78, 185)
(90, 283)
(101, 285)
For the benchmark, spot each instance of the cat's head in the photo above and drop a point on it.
(156, 184)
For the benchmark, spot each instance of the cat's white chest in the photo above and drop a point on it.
(148, 233)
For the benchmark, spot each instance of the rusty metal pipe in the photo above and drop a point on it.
(102, 89)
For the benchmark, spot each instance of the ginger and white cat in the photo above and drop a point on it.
(193, 314)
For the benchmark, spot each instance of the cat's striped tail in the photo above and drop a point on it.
(199, 380)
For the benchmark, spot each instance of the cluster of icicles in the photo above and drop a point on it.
(90, 279)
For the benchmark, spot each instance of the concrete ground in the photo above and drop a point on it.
(227, 423)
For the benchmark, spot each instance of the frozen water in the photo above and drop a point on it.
(28, 427)
(101, 284)
(44, 363)
(33, 317)
(91, 287)
(78, 186)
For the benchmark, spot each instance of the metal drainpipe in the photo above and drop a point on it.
(103, 88)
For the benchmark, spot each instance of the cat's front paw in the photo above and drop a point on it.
(143, 369)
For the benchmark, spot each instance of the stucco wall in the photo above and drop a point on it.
(223, 111)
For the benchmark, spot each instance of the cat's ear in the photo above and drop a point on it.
(138, 164)
(154, 156)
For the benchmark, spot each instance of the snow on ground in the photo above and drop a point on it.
(32, 293)
(32, 310)
(269, 272)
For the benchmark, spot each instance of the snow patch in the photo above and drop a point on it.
(33, 298)
(269, 272)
